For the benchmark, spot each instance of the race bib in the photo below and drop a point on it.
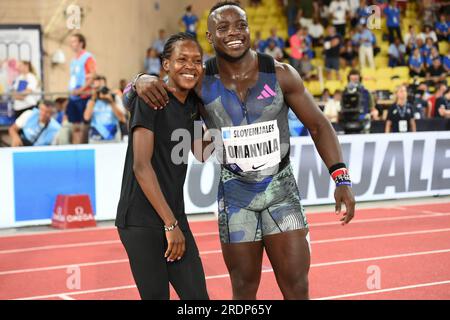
(73, 82)
(403, 126)
(252, 147)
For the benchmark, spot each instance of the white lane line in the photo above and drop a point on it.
(65, 297)
(79, 292)
(81, 244)
(385, 235)
(58, 267)
(60, 246)
(219, 276)
(362, 293)
(56, 232)
(433, 212)
(434, 215)
(204, 234)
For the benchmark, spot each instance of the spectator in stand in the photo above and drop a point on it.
(255, 3)
(354, 5)
(420, 105)
(325, 96)
(35, 127)
(440, 91)
(122, 85)
(279, 41)
(365, 40)
(428, 11)
(400, 115)
(410, 46)
(442, 28)
(434, 54)
(152, 63)
(316, 32)
(332, 47)
(348, 55)
(446, 61)
(291, 14)
(428, 32)
(443, 106)
(259, 44)
(436, 72)
(307, 43)
(60, 105)
(339, 11)
(307, 71)
(25, 87)
(82, 72)
(362, 13)
(410, 36)
(306, 7)
(273, 50)
(307, 51)
(392, 13)
(416, 64)
(426, 49)
(420, 44)
(333, 107)
(189, 21)
(295, 43)
(104, 114)
(396, 51)
(159, 43)
(324, 12)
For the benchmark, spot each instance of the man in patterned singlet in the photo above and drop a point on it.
(247, 96)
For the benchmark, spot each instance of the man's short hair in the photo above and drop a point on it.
(100, 77)
(48, 103)
(81, 39)
(436, 59)
(221, 4)
(353, 72)
(60, 100)
(441, 84)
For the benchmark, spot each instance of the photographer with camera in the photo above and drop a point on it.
(105, 113)
(35, 127)
(356, 106)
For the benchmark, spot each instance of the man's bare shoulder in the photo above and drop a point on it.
(287, 76)
(281, 67)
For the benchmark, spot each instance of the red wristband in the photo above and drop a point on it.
(339, 172)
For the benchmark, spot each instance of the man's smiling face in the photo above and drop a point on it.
(228, 32)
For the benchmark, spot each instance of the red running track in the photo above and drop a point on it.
(407, 246)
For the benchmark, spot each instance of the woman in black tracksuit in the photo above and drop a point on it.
(151, 220)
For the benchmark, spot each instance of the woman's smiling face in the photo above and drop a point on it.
(185, 65)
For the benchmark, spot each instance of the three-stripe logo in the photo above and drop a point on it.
(267, 92)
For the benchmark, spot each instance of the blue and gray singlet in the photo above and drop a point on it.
(257, 193)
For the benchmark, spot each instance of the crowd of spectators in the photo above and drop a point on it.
(338, 31)
(92, 113)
